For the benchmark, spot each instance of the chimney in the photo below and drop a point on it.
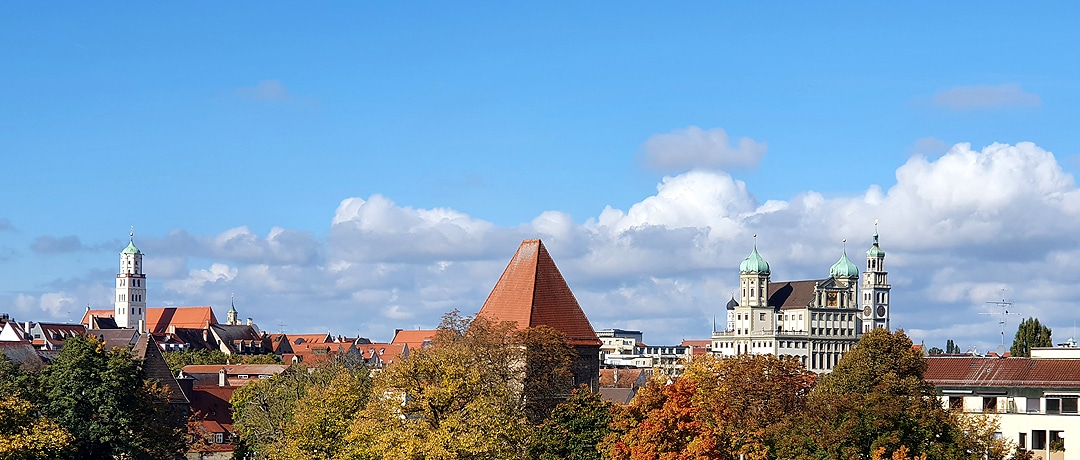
(142, 326)
(205, 337)
(172, 329)
(249, 322)
(221, 378)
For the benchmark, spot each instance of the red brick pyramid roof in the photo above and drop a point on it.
(532, 292)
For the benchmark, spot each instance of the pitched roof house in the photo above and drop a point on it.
(1037, 399)
(532, 292)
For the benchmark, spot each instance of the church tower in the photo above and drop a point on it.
(875, 288)
(130, 311)
(232, 319)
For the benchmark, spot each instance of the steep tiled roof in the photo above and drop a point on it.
(383, 353)
(156, 368)
(532, 292)
(791, 294)
(310, 338)
(158, 320)
(415, 339)
(624, 378)
(617, 395)
(1002, 372)
(22, 353)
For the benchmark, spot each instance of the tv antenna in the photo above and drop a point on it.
(1003, 315)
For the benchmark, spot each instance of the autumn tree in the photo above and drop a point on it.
(1030, 334)
(325, 413)
(468, 395)
(101, 397)
(25, 434)
(719, 408)
(875, 402)
(289, 410)
(574, 429)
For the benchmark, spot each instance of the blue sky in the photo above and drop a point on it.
(234, 136)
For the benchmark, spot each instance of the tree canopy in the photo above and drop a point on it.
(1030, 334)
(100, 396)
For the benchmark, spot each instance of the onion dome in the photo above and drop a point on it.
(843, 268)
(731, 304)
(875, 250)
(754, 263)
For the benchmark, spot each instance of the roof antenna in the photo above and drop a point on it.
(1004, 314)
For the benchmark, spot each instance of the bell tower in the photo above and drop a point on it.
(875, 288)
(130, 310)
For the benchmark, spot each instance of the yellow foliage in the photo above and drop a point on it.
(24, 435)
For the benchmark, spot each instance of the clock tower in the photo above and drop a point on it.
(875, 288)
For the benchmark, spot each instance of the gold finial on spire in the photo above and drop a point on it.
(131, 234)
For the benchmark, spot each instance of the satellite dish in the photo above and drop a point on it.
(1001, 351)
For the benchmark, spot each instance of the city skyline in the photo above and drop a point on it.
(366, 168)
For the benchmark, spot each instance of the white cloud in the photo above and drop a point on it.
(964, 98)
(957, 229)
(693, 147)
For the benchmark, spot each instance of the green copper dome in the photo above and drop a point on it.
(875, 250)
(843, 268)
(754, 263)
(131, 249)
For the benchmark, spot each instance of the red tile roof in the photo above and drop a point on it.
(1002, 372)
(791, 294)
(384, 353)
(532, 292)
(310, 338)
(415, 339)
(158, 320)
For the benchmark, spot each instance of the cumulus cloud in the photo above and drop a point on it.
(693, 147)
(265, 90)
(981, 97)
(958, 227)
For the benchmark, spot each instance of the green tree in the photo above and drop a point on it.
(876, 403)
(1030, 334)
(101, 397)
(574, 430)
(951, 347)
(178, 359)
(936, 351)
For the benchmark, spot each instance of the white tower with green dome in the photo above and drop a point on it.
(875, 288)
(130, 311)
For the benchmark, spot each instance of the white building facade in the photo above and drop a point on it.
(1036, 400)
(816, 321)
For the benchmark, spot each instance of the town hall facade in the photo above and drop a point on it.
(816, 321)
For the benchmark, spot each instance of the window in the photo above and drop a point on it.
(243, 376)
(1057, 441)
(1061, 405)
(1038, 439)
(761, 317)
(989, 404)
(1022, 441)
(1032, 405)
(219, 438)
(956, 403)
